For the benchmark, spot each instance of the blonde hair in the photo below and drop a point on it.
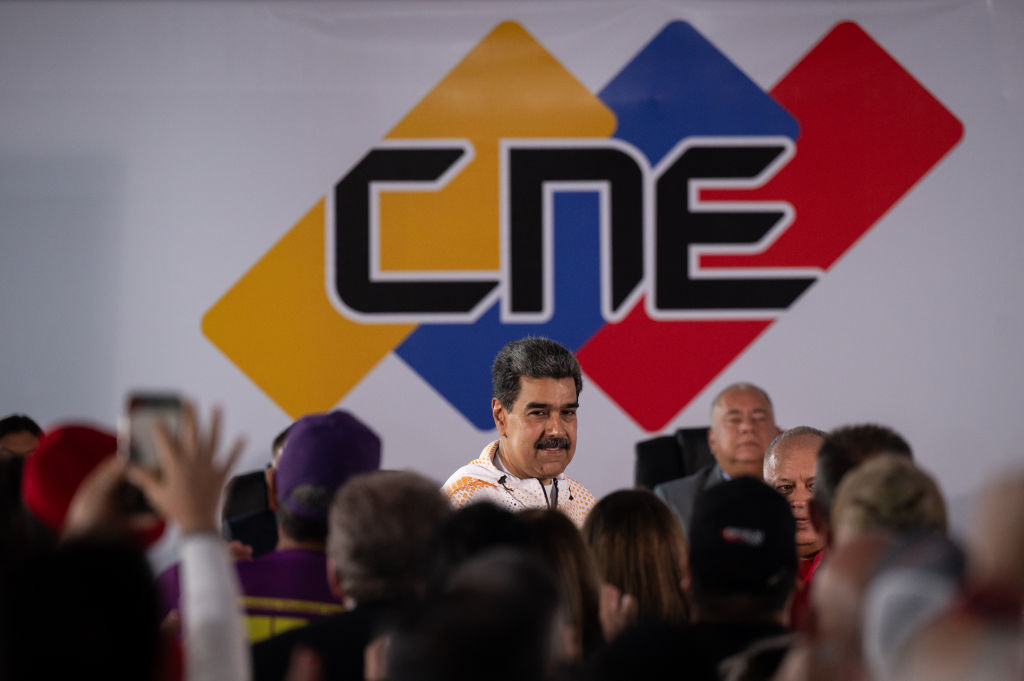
(888, 493)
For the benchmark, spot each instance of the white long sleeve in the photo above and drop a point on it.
(216, 648)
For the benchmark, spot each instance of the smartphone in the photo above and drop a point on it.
(137, 434)
(143, 411)
(136, 440)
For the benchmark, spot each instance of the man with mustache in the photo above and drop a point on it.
(742, 425)
(536, 386)
(789, 470)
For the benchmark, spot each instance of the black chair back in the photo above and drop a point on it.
(668, 457)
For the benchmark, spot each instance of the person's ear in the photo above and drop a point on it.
(500, 416)
(271, 477)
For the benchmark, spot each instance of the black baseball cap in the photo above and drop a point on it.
(742, 539)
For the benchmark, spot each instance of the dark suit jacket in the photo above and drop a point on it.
(258, 530)
(680, 494)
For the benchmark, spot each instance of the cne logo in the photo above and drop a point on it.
(655, 228)
(638, 205)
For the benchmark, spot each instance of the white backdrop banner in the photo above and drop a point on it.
(289, 207)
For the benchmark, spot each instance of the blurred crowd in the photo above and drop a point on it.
(795, 554)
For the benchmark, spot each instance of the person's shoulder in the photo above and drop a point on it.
(466, 484)
(578, 490)
(684, 484)
(466, 479)
(713, 473)
(581, 501)
(283, 561)
(478, 474)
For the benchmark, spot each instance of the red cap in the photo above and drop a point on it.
(64, 458)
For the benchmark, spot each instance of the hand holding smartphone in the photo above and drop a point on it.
(137, 435)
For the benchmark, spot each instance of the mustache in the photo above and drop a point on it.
(552, 443)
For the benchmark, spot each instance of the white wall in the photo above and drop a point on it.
(150, 153)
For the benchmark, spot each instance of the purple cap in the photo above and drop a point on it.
(324, 450)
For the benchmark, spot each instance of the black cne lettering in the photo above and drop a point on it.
(530, 167)
(352, 208)
(678, 227)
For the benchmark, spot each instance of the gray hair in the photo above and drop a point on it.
(741, 386)
(534, 357)
(381, 524)
(889, 493)
(798, 431)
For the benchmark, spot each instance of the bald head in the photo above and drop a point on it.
(789, 470)
(742, 425)
(800, 436)
(741, 386)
